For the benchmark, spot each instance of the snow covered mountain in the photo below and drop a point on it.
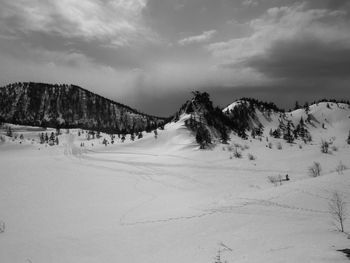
(48, 105)
(69, 106)
(319, 121)
(230, 202)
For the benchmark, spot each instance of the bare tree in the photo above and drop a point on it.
(315, 169)
(337, 208)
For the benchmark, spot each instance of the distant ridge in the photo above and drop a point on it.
(70, 106)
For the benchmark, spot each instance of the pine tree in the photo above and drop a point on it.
(324, 146)
(260, 130)
(297, 106)
(52, 137)
(288, 136)
(224, 135)
(253, 133)
(42, 138)
(203, 137)
(46, 138)
(348, 140)
(9, 132)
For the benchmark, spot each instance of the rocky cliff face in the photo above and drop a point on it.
(69, 106)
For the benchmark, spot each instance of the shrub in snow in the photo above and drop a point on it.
(270, 145)
(337, 209)
(237, 145)
(275, 179)
(9, 132)
(245, 147)
(218, 257)
(324, 146)
(2, 226)
(2, 139)
(237, 153)
(315, 169)
(251, 157)
(340, 168)
(279, 146)
(334, 148)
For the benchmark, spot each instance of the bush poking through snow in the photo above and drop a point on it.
(237, 145)
(2, 226)
(324, 146)
(340, 168)
(275, 179)
(315, 169)
(337, 209)
(334, 148)
(279, 146)
(251, 157)
(237, 153)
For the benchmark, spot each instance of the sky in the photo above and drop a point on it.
(150, 54)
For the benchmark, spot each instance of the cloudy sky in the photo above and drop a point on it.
(150, 54)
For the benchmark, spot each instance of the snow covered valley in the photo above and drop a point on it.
(165, 200)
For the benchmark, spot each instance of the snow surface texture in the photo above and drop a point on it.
(164, 200)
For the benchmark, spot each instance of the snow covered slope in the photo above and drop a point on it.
(324, 120)
(162, 199)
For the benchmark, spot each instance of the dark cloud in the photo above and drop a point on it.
(130, 51)
(306, 58)
(336, 4)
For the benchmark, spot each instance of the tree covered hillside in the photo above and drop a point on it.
(67, 106)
